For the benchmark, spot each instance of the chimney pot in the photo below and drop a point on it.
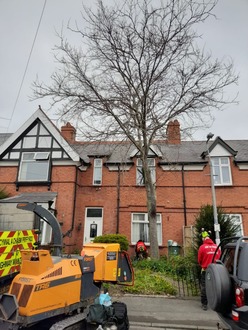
(68, 132)
(173, 132)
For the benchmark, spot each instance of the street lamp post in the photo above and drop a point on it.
(216, 223)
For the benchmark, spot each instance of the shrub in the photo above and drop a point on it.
(148, 282)
(170, 266)
(3, 193)
(113, 238)
(205, 219)
(161, 265)
(163, 277)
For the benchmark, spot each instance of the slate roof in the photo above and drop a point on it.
(241, 146)
(115, 152)
(186, 152)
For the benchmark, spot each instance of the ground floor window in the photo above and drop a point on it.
(237, 220)
(140, 228)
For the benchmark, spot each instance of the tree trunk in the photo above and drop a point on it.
(152, 212)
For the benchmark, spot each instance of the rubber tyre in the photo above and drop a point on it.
(218, 288)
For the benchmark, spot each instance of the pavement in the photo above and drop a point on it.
(167, 313)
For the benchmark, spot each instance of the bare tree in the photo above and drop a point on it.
(139, 68)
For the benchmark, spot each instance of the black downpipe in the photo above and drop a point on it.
(118, 202)
(68, 233)
(74, 201)
(184, 198)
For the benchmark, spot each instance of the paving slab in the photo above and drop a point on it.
(162, 312)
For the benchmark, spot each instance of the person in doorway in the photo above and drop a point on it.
(205, 257)
(141, 250)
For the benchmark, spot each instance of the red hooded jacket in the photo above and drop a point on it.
(206, 252)
(140, 247)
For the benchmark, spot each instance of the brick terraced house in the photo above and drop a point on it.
(96, 189)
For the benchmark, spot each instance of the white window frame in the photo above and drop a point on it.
(237, 219)
(139, 171)
(135, 232)
(41, 156)
(221, 168)
(38, 162)
(97, 172)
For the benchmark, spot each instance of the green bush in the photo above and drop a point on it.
(162, 277)
(205, 219)
(3, 193)
(161, 265)
(148, 282)
(179, 266)
(113, 238)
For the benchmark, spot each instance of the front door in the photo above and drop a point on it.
(93, 224)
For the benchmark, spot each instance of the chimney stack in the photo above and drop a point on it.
(173, 132)
(68, 132)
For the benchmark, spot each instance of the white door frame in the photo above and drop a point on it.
(92, 225)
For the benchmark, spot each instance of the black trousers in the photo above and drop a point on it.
(204, 300)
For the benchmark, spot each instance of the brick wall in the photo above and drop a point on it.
(133, 198)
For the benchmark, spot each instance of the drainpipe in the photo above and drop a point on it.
(75, 199)
(118, 202)
(68, 233)
(184, 198)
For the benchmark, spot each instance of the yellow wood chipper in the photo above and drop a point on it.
(52, 291)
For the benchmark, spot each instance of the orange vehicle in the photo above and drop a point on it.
(56, 289)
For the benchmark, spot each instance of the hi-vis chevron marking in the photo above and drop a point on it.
(11, 242)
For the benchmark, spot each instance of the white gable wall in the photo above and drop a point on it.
(219, 151)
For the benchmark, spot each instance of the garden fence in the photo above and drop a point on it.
(187, 281)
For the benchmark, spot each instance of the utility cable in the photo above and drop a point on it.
(26, 68)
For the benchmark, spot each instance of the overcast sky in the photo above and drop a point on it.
(19, 20)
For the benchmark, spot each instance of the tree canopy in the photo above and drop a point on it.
(138, 68)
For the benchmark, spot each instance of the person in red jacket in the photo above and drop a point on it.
(205, 257)
(141, 250)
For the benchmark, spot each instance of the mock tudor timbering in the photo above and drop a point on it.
(98, 187)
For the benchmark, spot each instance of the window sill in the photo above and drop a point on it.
(32, 183)
(223, 185)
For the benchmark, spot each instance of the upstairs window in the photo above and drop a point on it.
(34, 166)
(140, 173)
(237, 222)
(97, 175)
(221, 170)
